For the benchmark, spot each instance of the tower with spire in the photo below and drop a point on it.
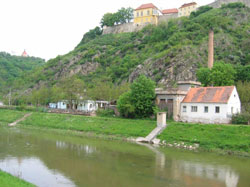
(24, 54)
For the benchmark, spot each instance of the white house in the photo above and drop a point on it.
(87, 106)
(210, 105)
(1, 103)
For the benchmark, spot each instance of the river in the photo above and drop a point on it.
(53, 160)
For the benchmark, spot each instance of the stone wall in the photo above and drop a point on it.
(127, 27)
(131, 27)
(166, 18)
(218, 3)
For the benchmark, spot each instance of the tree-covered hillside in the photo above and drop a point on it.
(166, 53)
(14, 67)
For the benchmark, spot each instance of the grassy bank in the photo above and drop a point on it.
(227, 138)
(7, 180)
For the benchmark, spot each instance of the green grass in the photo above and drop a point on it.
(210, 137)
(228, 138)
(8, 116)
(7, 180)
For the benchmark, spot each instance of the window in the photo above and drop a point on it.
(206, 109)
(146, 19)
(148, 12)
(137, 14)
(141, 13)
(232, 110)
(194, 108)
(184, 109)
(217, 109)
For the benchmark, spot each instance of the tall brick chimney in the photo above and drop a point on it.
(211, 49)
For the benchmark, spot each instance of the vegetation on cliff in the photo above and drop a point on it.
(166, 53)
(15, 67)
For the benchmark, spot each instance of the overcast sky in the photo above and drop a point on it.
(47, 28)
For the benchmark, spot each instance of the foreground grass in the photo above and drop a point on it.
(8, 116)
(7, 180)
(228, 138)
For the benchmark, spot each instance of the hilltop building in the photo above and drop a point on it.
(186, 9)
(146, 13)
(24, 54)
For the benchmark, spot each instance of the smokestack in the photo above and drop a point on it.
(211, 49)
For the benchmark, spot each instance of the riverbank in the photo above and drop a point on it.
(7, 180)
(229, 139)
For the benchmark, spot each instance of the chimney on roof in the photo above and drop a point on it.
(211, 49)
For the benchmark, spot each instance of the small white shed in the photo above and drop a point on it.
(87, 106)
(210, 105)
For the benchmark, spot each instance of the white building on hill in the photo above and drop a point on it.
(210, 105)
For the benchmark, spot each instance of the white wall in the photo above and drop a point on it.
(1, 103)
(87, 106)
(201, 117)
(62, 105)
(234, 104)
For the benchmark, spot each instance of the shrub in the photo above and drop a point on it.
(105, 113)
(243, 118)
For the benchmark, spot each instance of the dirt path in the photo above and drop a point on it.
(19, 120)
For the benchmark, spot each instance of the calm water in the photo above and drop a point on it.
(56, 160)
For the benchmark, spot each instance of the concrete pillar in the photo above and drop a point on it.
(161, 119)
(211, 49)
(176, 108)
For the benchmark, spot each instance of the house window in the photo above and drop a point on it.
(137, 14)
(184, 109)
(148, 12)
(146, 19)
(194, 108)
(217, 109)
(232, 110)
(206, 109)
(141, 13)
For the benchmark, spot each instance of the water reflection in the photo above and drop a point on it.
(79, 148)
(54, 160)
(189, 170)
(34, 171)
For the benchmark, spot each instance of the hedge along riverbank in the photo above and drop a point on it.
(226, 138)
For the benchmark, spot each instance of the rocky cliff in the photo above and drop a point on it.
(166, 53)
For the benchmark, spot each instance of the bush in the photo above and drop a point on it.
(105, 113)
(243, 118)
(233, 5)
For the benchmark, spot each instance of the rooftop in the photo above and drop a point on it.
(169, 11)
(144, 6)
(209, 95)
(188, 4)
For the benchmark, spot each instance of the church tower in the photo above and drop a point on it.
(24, 54)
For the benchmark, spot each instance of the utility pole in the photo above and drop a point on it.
(10, 97)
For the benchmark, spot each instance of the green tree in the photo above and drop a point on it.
(73, 89)
(139, 102)
(108, 20)
(220, 75)
(243, 89)
(203, 75)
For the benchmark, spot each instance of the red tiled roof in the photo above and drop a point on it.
(188, 4)
(209, 95)
(144, 6)
(169, 11)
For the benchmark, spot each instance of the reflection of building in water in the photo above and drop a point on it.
(190, 173)
(219, 173)
(79, 148)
